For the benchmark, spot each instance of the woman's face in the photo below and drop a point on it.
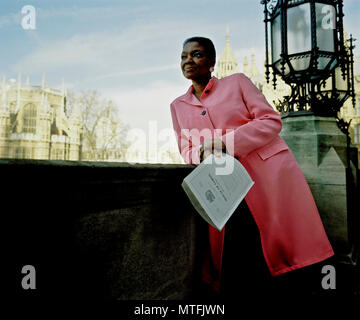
(194, 62)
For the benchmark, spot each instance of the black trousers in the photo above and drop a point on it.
(245, 273)
(244, 269)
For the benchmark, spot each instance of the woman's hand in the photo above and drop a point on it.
(211, 146)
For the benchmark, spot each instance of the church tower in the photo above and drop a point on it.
(227, 64)
(252, 71)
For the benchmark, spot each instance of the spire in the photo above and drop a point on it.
(45, 106)
(28, 81)
(227, 37)
(18, 100)
(246, 65)
(227, 63)
(63, 95)
(227, 41)
(43, 88)
(43, 80)
(3, 83)
(253, 63)
(252, 71)
(63, 87)
(4, 93)
(19, 80)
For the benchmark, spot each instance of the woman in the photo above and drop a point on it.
(232, 115)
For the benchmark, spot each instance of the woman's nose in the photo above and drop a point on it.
(188, 59)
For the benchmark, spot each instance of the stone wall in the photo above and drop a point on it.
(100, 230)
(104, 231)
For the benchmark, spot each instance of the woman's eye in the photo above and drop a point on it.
(197, 55)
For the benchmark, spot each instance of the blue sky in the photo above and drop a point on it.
(129, 50)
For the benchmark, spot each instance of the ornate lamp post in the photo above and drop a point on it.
(307, 47)
(309, 52)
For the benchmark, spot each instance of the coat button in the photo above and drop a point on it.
(203, 113)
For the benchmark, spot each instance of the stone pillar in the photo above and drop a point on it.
(321, 150)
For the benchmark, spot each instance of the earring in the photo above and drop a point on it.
(211, 69)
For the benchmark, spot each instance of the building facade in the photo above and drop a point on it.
(33, 123)
(349, 112)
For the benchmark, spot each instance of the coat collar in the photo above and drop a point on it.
(190, 98)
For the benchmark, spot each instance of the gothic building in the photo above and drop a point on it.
(34, 124)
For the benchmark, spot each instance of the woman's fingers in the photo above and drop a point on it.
(209, 151)
(217, 153)
(218, 144)
(211, 146)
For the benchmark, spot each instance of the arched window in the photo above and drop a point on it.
(29, 118)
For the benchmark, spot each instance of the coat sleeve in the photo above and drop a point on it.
(188, 151)
(263, 126)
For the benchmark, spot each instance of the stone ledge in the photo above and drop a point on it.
(101, 230)
(104, 231)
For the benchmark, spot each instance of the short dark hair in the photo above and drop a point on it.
(206, 43)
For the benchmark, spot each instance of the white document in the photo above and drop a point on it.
(216, 187)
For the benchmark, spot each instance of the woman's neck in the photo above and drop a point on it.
(200, 84)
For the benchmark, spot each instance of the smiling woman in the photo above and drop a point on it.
(197, 61)
(270, 233)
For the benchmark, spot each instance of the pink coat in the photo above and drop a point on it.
(291, 231)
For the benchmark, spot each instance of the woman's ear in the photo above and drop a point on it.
(212, 65)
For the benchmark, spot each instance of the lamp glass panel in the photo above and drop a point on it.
(340, 83)
(300, 63)
(299, 29)
(276, 38)
(328, 85)
(325, 25)
(343, 95)
(323, 62)
(278, 66)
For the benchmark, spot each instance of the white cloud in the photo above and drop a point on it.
(141, 105)
(147, 111)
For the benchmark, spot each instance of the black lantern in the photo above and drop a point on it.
(336, 89)
(307, 47)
